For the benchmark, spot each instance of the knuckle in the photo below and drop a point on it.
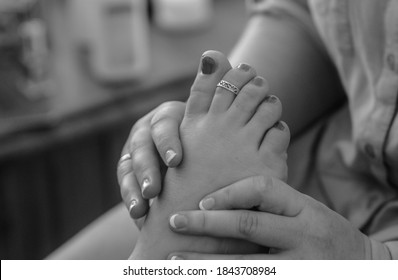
(227, 194)
(247, 224)
(202, 221)
(137, 143)
(138, 158)
(124, 168)
(162, 141)
(166, 111)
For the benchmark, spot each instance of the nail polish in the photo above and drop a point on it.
(207, 203)
(258, 81)
(243, 66)
(145, 184)
(279, 126)
(208, 65)
(133, 203)
(271, 99)
(178, 221)
(170, 155)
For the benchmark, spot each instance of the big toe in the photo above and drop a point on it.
(213, 66)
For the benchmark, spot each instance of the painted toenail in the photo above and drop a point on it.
(244, 67)
(207, 203)
(170, 155)
(279, 126)
(271, 99)
(258, 81)
(178, 221)
(208, 65)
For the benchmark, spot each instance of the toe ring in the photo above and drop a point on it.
(228, 86)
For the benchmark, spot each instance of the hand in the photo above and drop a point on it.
(292, 224)
(139, 169)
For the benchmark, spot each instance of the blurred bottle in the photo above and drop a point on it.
(117, 35)
(183, 15)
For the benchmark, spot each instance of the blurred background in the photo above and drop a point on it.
(74, 77)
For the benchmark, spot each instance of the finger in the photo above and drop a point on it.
(165, 132)
(262, 228)
(145, 162)
(131, 195)
(198, 256)
(266, 193)
(129, 188)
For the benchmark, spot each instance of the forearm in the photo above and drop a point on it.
(295, 64)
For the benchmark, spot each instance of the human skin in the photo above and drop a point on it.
(224, 138)
(279, 50)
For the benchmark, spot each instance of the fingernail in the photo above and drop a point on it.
(258, 81)
(178, 221)
(208, 65)
(133, 203)
(145, 184)
(175, 258)
(207, 203)
(244, 67)
(170, 155)
(151, 202)
(279, 126)
(271, 99)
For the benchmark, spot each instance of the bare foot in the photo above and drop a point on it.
(225, 138)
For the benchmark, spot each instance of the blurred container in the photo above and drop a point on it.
(116, 33)
(24, 46)
(183, 15)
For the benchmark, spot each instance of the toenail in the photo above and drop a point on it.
(244, 67)
(208, 65)
(279, 126)
(178, 221)
(271, 99)
(258, 81)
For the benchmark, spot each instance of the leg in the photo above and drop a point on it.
(112, 236)
(225, 138)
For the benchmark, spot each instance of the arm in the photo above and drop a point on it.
(281, 48)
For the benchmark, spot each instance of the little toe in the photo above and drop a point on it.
(266, 115)
(249, 98)
(277, 138)
(212, 68)
(235, 78)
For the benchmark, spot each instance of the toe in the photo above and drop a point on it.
(266, 115)
(277, 138)
(238, 77)
(249, 98)
(212, 68)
